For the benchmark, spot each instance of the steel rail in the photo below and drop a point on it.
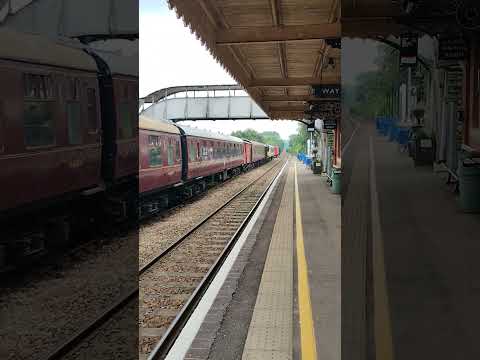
(82, 334)
(148, 217)
(168, 339)
(181, 238)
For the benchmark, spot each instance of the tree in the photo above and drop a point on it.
(267, 137)
(249, 134)
(273, 138)
(298, 142)
(367, 97)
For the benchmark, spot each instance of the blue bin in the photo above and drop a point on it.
(384, 125)
(403, 134)
(393, 132)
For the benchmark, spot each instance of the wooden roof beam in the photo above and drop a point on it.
(296, 108)
(283, 60)
(305, 98)
(276, 12)
(365, 28)
(266, 82)
(290, 115)
(322, 54)
(275, 34)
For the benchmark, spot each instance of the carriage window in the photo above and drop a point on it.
(204, 153)
(126, 123)
(198, 150)
(192, 152)
(177, 151)
(153, 140)
(92, 110)
(38, 86)
(39, 123)
(170, 154)
(74, 123)
(73, 92)
(154, 151)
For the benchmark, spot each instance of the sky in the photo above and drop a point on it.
(171, 56)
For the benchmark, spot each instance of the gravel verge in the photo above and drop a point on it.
(156, 236)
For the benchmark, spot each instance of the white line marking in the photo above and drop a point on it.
(344, 150)
(382, 325)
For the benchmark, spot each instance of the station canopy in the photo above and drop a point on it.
(383, 18)
(276, 49)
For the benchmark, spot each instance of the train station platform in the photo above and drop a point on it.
(426, 254)
(281, 297)
(409, 258)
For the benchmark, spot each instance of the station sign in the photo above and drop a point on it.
(452, 48)
(327, 109)
(330, 124)
(327, 91)
(330, 139)
(459, 129)
(455, 85)
(408, 50)
(311, 127)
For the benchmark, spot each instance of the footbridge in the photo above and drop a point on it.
(203, 102)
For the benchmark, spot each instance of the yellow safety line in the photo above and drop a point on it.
(307, 330)
(383, 328)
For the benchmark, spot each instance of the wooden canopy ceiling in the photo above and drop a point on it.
(275, 49)
(380, 18)
(370, 18)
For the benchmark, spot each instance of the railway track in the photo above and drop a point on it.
(172, 283)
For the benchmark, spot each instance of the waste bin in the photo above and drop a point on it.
(392, 136)
(469, 181)
(414, 132)
(423, 149)
(402, 135)
(317, 166)
(336, 180)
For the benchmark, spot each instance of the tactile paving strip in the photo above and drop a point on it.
(270, 335)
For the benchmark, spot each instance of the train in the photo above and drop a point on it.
(68, 141)
(73, 151)
(180, 161)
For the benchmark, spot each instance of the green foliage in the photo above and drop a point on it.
(248, 134)
(266, 137)
(367, 97)
(273, 138)
(298, 142)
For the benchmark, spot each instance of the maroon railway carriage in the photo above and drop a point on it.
(68, 141)
(210, 153)
(177, 161)
(125, 95)
(276, 151)
(50, 135)
(247, 154)
(259, 152)
(160, 156)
